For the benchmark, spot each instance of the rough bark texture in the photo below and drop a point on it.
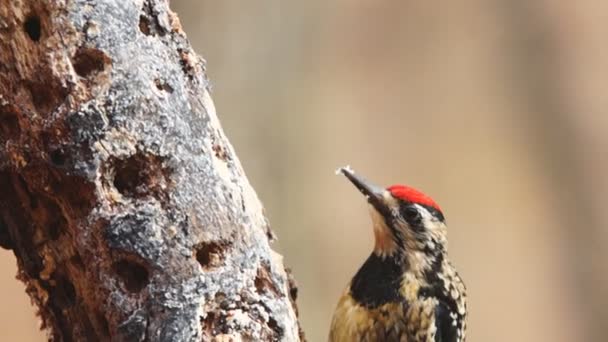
(123, 201)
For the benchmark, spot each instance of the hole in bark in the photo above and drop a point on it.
(133, 276)
(32, 27)
(62, 293)
(144, 25)
(9, 124)
(89, 61)
(58, 157)
(210, 254)
(129, 175)
(141, 175)
(164, 86)
(272, 324)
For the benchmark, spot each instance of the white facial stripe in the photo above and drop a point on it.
(434, 227)
(427, 218)
(389, 199)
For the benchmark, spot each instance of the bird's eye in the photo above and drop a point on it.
(411, 214)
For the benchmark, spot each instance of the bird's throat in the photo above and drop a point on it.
(385, 243)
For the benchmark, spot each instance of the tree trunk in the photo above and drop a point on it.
(125, 205)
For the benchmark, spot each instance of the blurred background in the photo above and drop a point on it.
(497, 109)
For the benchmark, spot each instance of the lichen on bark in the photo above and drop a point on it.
(125, 205)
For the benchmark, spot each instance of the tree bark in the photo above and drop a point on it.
(125, 205)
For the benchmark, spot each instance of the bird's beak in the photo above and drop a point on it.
(373, 193)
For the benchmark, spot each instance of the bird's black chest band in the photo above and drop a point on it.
(377, 282)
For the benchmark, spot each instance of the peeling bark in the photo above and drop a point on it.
(125, 205)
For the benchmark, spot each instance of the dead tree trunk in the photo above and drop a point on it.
(123, 201)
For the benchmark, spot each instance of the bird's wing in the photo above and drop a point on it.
(447, 330)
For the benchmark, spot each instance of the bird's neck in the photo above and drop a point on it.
(421, 263)
(381, 279)
(385, 242)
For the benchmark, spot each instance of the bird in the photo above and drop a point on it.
(407, 290)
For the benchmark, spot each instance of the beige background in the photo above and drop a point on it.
(496, 109)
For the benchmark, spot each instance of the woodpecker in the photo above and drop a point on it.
(407, 290)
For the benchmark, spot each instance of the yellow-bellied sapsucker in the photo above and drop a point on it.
(407, 290)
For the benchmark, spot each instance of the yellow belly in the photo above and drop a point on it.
(391, 322)
(353, 322)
